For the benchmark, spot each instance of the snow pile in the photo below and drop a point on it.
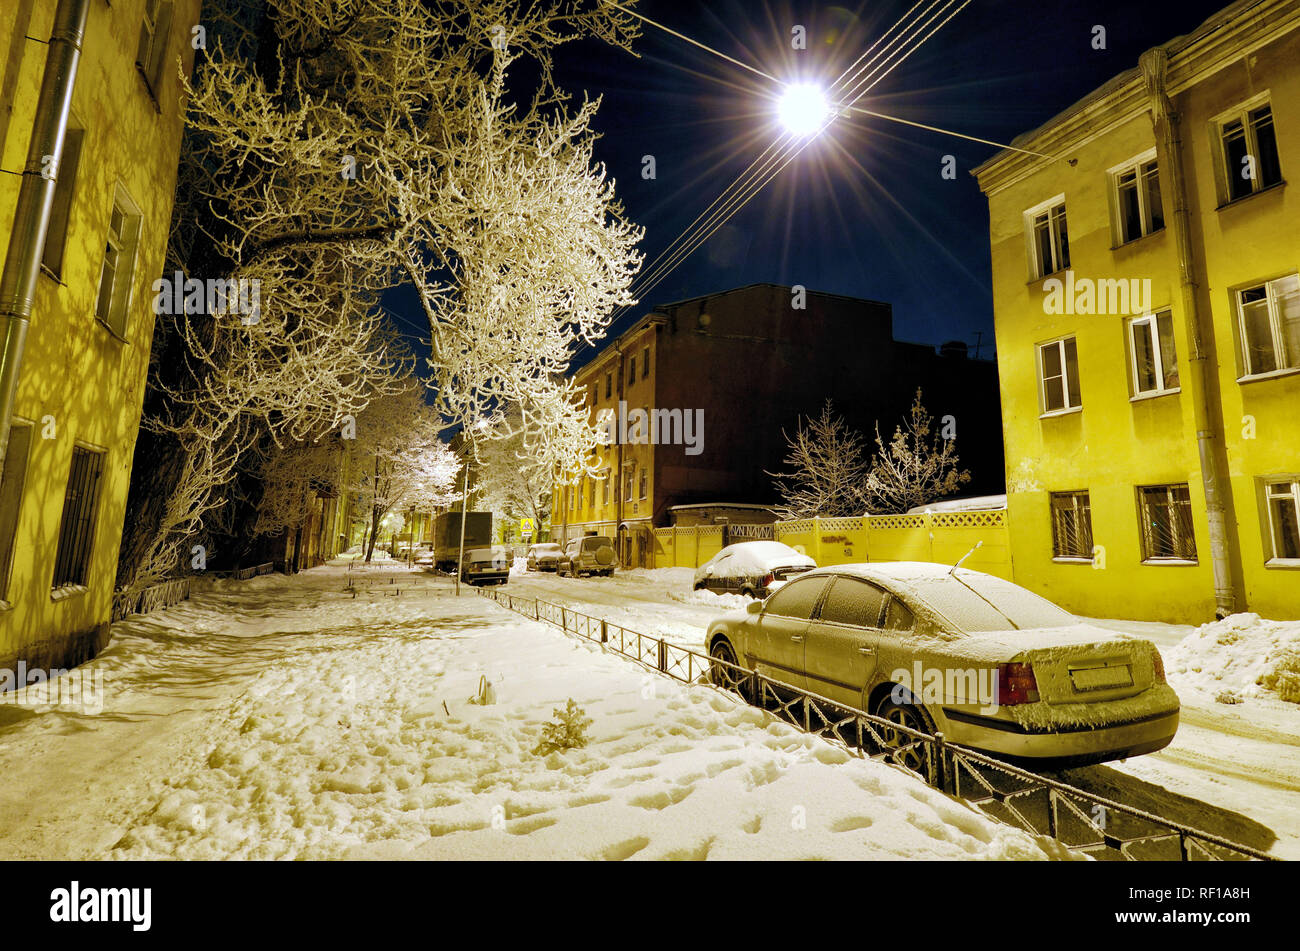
(1240, 656)
(722, 602)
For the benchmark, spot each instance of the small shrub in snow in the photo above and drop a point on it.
(567, 731)
(1227, 696)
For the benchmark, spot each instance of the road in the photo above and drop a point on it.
(1232, 770)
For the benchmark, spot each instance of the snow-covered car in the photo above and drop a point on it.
(544, 557)
(993, 666)
(590, 555)
(754, 569)
(486, 565)
(424, 559)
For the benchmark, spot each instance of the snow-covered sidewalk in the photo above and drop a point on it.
(280, 718)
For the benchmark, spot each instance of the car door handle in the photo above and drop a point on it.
(797, 638)
(869, 651)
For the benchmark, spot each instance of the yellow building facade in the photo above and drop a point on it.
(618, 500)
(82, 374)
(1145, 257)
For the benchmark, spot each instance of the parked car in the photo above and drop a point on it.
(424, 558)
(590, 555)
(991, 665)
(754, 569)
(486, 566)
(544, 557)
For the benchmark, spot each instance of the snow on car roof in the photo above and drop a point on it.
(971, 600)
(759, 556)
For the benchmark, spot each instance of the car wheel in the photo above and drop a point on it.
(915, 757)
(727, 677)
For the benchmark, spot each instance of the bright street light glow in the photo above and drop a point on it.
(803, 108)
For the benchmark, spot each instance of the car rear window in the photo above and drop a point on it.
(989, 607)
(797, 599)
(593, 544)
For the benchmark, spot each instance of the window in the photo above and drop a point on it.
(631, 370)
(593, 492)
(645, 363)
(1058, 369)
(1166, 512)
(77, 529)
(899, 617)
(1250, 158)
(1269, 319)
(1152, 360)
(118, 264)
(1049, 239)
(1283, 500)
(1138, 208)
(1071, 525)
(56, 237)
(609, 477)
(151, 54)
(797, 599)
(11, 497)
(645, 481)
(627, 487)
(609, 385)
(853, 602)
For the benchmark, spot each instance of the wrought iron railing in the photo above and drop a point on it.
(1081, 821)
(153, 598)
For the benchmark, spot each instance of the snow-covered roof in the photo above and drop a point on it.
(976, 503)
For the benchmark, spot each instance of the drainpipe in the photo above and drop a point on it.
(35, 199)
(1209, 440)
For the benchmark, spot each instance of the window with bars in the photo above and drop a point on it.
(1166, 513)
(1058, 368)
(1071, 525)
(1049, 240)
(1283, 498)
(1269, 323)
(11, 497)
(1152, 360)
(1139, 209)
(1250, 156)
(77, 528)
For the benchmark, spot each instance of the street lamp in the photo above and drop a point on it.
(803, 109)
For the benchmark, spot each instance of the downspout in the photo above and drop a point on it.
(35, 199)
(1209, 440)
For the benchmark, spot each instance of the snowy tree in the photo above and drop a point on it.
(827, 468)
(513, 481)
(398, 460)
(291, 477)
(916, 467)
(338, 147)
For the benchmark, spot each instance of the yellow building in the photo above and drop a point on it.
(1145, 250)
(80, 376)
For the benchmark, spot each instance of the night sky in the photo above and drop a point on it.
(864, 210)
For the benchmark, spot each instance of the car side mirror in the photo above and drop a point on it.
(754, 607)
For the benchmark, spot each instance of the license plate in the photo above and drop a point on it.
(1099, 678)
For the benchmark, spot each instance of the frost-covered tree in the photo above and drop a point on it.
(513, 481)
(918, 466)
(398, 460)
(336, 148)
(826, 469)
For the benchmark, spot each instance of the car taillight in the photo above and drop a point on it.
(767, 580)
(1016, 684)
(1159, 663)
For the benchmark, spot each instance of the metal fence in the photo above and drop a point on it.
(1079, 820)
(154, 598)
